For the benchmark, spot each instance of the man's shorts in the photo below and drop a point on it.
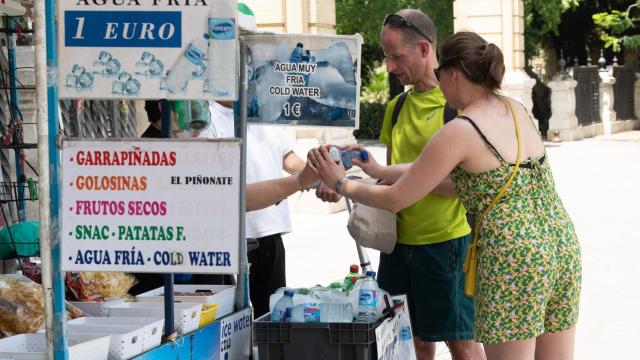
(432, 277)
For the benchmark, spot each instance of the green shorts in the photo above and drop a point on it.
(432, 277)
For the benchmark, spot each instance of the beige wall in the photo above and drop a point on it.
(498, 21)
(295, 16)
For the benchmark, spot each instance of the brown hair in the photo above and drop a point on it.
(480, 61)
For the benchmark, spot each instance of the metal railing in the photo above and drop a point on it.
(623, 92)
(587, 94)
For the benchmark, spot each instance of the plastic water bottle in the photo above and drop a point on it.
(282, 309)
(222, 48)
(351, 278)
(190, 65)
(307, 312)
(336, 312)
(296, 54)
(368, 298)
(346, 156)
(322, 312)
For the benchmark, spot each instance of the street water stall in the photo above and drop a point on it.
(176, 206)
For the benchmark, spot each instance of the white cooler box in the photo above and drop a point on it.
(186, 315)
(223, 295)
(34, 347)
(152, 335)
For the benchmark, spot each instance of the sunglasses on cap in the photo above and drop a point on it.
(398, 21)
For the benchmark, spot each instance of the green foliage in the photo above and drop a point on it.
(542, 18)
(632, 42)
(616, 21)
(377, 90)
(371, 116)
(613, 26)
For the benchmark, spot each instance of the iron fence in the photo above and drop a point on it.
(623, 92)
(587, 94)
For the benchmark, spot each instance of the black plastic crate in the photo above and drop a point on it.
(315, 341)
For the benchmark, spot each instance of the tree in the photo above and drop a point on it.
(542, 18)
(615, 27)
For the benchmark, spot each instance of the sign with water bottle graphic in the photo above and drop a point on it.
(148, 49)
(304, 79)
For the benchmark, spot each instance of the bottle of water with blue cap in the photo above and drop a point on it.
(368, 298)
(282, 310)
(346, 156)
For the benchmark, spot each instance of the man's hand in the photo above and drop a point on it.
(324, 193)
(371, 167)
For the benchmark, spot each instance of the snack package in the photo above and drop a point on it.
(21, 305)
(32, 271)
(109, 284)
(79, 290)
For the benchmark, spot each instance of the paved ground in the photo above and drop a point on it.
(599, 181)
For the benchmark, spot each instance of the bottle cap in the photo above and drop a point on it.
(371, 273)
(353, 268)
(364, 156)
(288, 293)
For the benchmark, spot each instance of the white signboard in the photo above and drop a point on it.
(235, 336)
(394, 338)
(167, 206)
(304, 79)
(148, 49)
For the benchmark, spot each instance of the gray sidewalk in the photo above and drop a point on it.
(599, 182)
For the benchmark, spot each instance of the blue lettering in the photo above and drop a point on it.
(88, 257)
(129, 257)
(226, 330)
(210, 258)
(137, 29)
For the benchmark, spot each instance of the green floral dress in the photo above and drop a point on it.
(529, 271)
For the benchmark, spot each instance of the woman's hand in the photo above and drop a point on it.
(329, 171)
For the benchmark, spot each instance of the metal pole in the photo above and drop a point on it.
(240, 117)
(10, 23)
(48, 166)
(168, 278)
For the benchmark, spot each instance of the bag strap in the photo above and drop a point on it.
(397, 108)
(448, 115)
(471, 252)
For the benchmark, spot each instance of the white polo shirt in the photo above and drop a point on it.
(266, 147)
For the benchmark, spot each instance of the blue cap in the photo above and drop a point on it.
(371, 273)
(364, 155)
(288, 293)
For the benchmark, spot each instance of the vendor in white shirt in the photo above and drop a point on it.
(269, 151)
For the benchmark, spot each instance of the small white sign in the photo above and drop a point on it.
(148, 49)
(394, 338)
(150, 206)
(235, 336)
(311, 80)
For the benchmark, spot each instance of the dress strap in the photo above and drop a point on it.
(484, 138)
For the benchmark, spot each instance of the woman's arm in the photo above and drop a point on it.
(391, 173)
(441, 155)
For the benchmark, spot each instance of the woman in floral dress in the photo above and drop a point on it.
(529, 272)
